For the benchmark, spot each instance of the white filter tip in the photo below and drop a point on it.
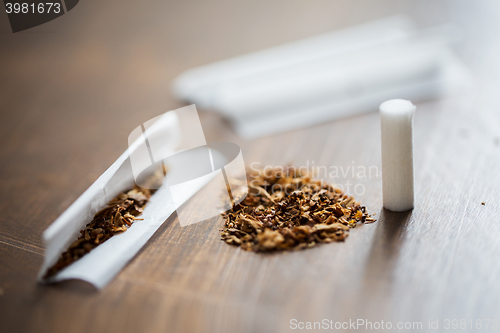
(396, 120)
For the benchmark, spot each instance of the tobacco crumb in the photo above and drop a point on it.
(286, 209)
(120, 214)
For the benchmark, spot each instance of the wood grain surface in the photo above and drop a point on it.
(72, 90)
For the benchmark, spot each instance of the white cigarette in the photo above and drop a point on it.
(396, 119)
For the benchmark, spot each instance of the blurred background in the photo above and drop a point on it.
(106, 66)
(110, 59)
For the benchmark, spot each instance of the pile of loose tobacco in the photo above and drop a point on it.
(121, 212)
(286, 209)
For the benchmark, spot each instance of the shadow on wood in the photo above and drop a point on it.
(389, 235)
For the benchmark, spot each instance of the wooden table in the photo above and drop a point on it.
(72, 90)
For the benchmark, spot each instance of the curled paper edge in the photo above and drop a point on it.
(103, 263)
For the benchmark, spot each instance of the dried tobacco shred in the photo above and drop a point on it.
(286, 209)
(120, 214)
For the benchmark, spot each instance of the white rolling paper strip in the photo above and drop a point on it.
(105, 261)
(200, 85)
(446, 76)
(337, 77)
(254, 127)
(396, 120)
(328, 77)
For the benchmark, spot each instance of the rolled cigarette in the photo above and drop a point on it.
(396, 119)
